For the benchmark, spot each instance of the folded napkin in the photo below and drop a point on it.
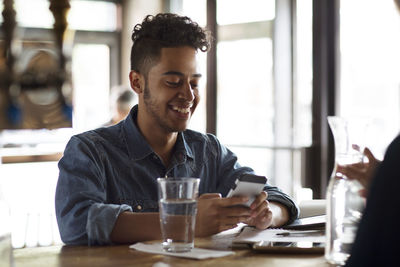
(195, 253)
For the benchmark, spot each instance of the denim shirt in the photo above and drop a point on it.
(110, 170)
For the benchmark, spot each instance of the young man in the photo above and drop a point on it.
(107, 188)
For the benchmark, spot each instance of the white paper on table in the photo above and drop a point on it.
(253, 235)
(195, 253)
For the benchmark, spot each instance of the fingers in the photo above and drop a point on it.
(232, 215)
(226, 227)
(354, 172)
(236, 211)
(259, 200)
(259, 209)
(210, 196)
(344, 169)
(363, 171)
(356, 147)
(264, 220)
(233, 201)
(371, 158)
(367, 152)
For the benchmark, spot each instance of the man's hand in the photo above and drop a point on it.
(266, 214)
(216, 214)
(261, 214)
(363, 171)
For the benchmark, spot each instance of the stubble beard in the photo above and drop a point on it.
(154, 110)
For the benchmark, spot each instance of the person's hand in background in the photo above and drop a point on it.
(362, 171)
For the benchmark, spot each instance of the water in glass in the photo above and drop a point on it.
(178, 219)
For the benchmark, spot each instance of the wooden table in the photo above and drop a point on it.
(122, 255)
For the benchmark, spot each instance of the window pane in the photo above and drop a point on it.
(237, 11)
(35, 14)
(83, 15)
(196, 10)
(29, 188)
(303, 89)
(259, 159)
(93, 16)
(245, 96)
(370, 63)
(91, 83)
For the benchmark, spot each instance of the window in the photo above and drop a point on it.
(370, 63)
(91, 68)
(28, 158)
(245, 114)
(36, 14)
(236, 12)
(263, 112)
(303, 74)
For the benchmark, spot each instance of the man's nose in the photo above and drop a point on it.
(187, 92)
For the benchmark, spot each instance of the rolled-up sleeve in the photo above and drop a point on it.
(101, 220)
(276, 195)
(83, 216)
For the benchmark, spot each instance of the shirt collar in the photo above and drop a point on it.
(182, 145)
(138, 148)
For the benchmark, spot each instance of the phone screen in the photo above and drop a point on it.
(248, 185)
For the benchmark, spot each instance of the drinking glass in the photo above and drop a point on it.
(178, 209)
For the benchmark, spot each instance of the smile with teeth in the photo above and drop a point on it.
(183, 110)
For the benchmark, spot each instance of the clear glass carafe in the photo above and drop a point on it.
(344, 203)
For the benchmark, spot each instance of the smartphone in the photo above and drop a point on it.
(249, 185)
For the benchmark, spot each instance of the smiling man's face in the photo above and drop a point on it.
(171, 92)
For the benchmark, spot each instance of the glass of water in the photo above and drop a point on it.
(178, 209)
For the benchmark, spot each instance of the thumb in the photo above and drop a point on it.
(210, 195)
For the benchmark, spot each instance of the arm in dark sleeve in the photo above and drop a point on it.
(377, 238)
(230, 170)
(83, 216)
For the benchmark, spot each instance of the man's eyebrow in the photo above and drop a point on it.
(177, 73)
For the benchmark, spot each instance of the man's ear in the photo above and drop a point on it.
(137, 81)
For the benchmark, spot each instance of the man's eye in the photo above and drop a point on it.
(173, 84)
(194, 85)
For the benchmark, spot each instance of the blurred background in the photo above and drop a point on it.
(277, 69)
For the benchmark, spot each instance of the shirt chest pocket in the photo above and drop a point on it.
(141, 205)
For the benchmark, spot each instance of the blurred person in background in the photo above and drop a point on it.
(122, 100)
(38, 104)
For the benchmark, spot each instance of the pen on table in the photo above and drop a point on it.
(302, 233)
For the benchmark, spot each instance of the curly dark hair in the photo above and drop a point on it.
(164, 30)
